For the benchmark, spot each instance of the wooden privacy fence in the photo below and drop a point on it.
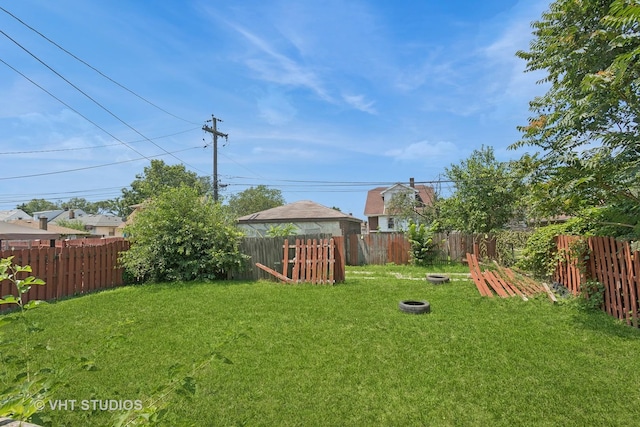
(311, 261)
(383, 248)
(68, 270)
(609, 261)
(269, 252)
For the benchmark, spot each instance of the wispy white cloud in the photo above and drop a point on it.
(276, 67)
(423, 150)
(360, 103)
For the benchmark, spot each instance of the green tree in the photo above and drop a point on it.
(254, 199)
(486, 194)
(406, 208)
(75, 224)
(37, 205)
(80, 203)
(156, 178)
(180, 235)
(586, 124)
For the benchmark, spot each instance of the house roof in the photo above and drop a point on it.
(13, 214)
(57, 214)
(50, 227)
(10, 231)
(101, 220)
(374, 205)
(50, 214)
(304, 210)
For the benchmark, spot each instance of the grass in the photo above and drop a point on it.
(342, 355)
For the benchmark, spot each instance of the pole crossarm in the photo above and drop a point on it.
(213, 129)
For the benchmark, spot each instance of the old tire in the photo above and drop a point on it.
(414, 307)
(437, 278)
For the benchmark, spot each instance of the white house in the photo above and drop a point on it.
(377, 207)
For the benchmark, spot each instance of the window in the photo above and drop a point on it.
(390, 223)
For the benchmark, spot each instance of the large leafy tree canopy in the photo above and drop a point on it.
(254, 199)
(486, 194)
(157, 178)
(586, 125)
(38, 205)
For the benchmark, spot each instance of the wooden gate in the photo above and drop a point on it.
(313, 261)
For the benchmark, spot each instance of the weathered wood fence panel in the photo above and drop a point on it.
(610, 262)
(268, 252)
(383, 248)
(314, 261)
(68, 270)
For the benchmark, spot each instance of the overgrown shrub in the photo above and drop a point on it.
(282, 230)
(509, 245)
(181, 236)
(592, 295)
(540, 254)
(423, 248)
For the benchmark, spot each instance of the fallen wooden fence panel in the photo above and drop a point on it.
(504, 282)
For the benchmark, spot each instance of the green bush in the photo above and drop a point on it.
(540, 254)
(181, 236)
(423, 249)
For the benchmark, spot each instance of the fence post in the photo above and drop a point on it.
(339, 265)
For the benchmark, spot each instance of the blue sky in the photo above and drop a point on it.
(322, 100)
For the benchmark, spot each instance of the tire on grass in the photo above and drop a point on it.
(437, 278)
(414, 307)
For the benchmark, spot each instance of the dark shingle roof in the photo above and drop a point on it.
(304, 210)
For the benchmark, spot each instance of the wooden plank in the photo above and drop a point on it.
(490, 278)
(502, 283)
(529, 283)
(474, 275)
(331, 261)
(285, 259)
(325, 260)
(624, 280)
(295, 275)
(504, 278)
(636, 280)
(477, 277)
(63, 268)
(607, 277)
(274, 273)
(74, 278)
(552, 297)
(631, 283)
(616, 275)
(314, 261)
(338, 260)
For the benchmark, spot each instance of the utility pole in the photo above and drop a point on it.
(214, 130)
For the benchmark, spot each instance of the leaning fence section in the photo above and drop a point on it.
(315, 261)
(268, 251)
(612, 263)
(68, 270)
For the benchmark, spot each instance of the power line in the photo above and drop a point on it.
(90, 98)
(73, 109)
(90, 167)
(94, 68)
(89, 147)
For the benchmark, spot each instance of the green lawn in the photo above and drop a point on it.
(341, 355)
